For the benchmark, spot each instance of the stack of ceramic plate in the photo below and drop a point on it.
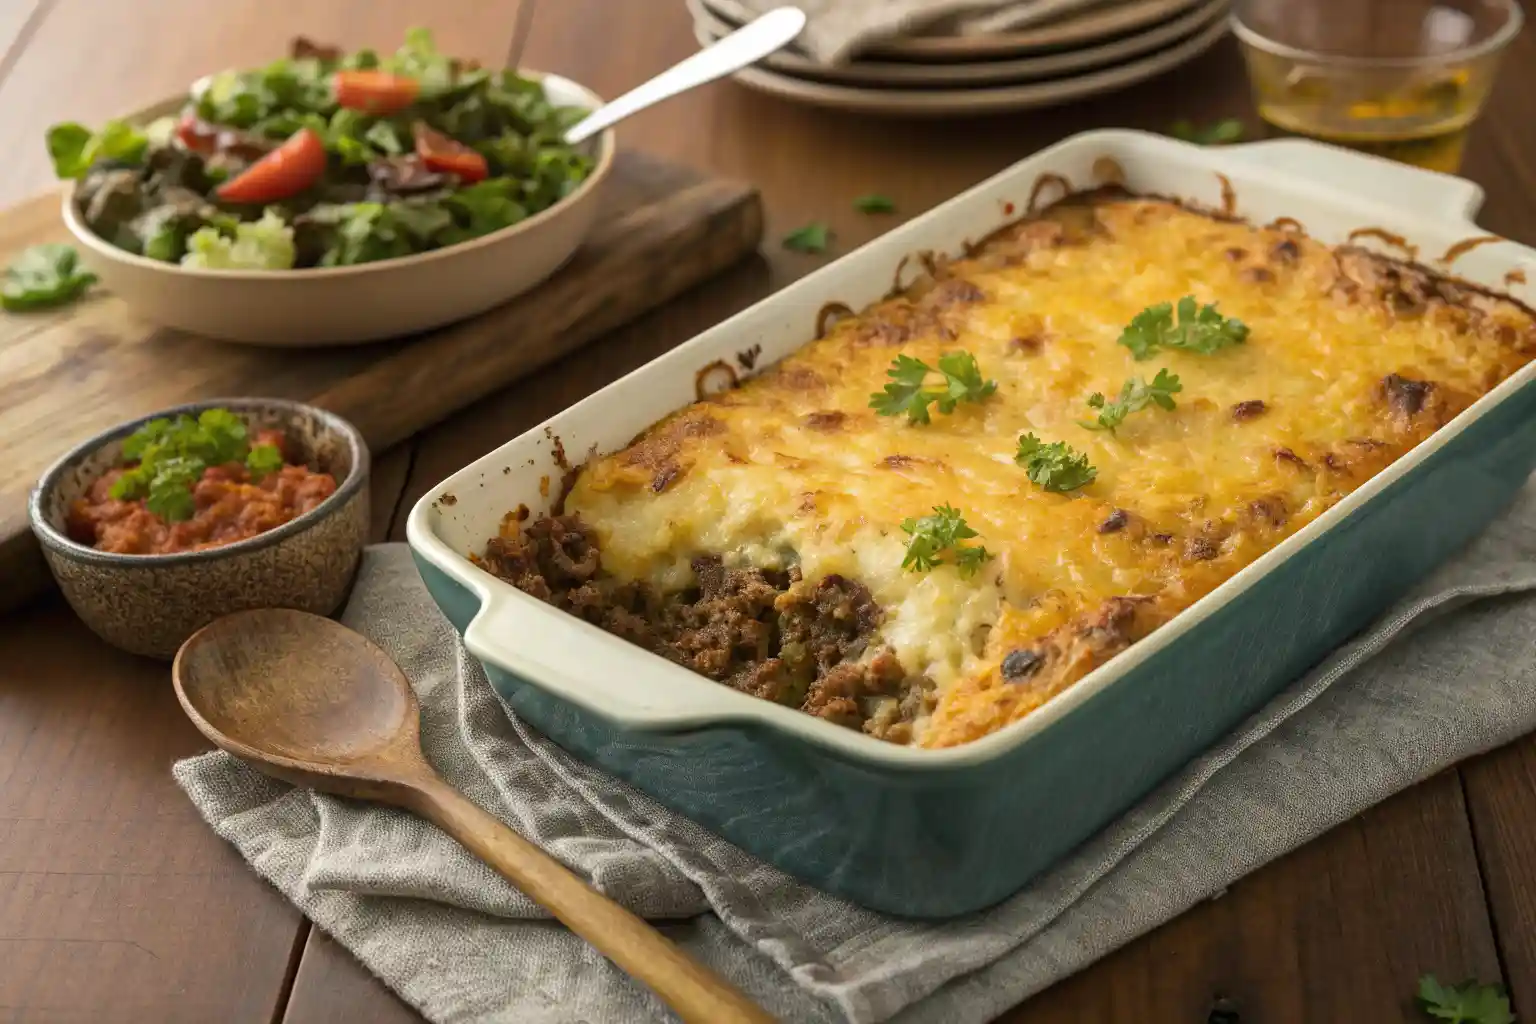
(1100, 48)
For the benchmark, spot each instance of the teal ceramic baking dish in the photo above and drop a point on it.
(935, 833)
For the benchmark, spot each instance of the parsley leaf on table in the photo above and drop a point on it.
(874, 203)
(1469, 1003)
(1219, 133)
(942, 532)
(905, 393)
(1135, 395)
(1054, 466)
(1199, 329)
(44, 275)
(811, 238)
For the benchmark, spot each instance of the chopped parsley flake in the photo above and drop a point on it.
(1219, 133)
(43, 276)
(811, 238)
(874, 203)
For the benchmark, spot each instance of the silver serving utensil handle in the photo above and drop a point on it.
(520, 29)
(748, 44)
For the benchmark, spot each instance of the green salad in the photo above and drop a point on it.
(325, 159)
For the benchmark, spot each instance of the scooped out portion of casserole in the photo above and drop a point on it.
(958, 502)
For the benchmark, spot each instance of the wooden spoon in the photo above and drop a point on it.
(310, 702)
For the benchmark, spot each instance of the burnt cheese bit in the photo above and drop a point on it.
(1019, 665)
(1270, 510)
(1286, 455)
(665, 474)
(1116, 521)
(826, 420)
(1404, 395)
(1109, 630)
(1285, 251)
(1201, 549)
(1244, 411)
(955, 291)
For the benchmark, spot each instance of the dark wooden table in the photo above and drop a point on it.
(118, 905)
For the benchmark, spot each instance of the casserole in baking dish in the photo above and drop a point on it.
(1141, 588)
(855, 532)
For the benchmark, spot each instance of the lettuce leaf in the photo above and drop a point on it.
(74, 148)
(486, 206)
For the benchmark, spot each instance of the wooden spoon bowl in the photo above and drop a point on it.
(309, 701)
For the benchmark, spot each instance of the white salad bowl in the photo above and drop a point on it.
(361, 303)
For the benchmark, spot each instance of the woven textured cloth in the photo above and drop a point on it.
(1448, 672)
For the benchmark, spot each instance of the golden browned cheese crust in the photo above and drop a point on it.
(1351, 360)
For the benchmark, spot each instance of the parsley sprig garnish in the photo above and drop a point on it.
(1469, 1003)
(933, 536)
(1055, 466)
(171, 455)
(1135, 395)
(1199, 329)
(905, 393)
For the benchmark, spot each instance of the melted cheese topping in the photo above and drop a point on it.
(794, 466)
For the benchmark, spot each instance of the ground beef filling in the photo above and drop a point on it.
(770, 634)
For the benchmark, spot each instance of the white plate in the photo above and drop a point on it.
(1093, 25)
(962, 102)
(708, 27)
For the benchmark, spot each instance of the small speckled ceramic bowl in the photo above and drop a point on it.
(149, 604)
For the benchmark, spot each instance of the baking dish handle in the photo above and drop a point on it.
(585, 666)
(1371, 177)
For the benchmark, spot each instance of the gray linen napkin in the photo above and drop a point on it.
(838, 30)
(1437, 679)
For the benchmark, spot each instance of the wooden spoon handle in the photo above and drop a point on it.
(693, 991)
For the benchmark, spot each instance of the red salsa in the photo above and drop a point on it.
(229, 503)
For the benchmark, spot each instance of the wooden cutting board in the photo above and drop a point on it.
(68, 374)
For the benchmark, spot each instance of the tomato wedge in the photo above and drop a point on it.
(195, 134)
(448, 156)
(286, 171)
(375, 92)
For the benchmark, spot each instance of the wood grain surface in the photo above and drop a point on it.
(69, 373)
(1338, 931)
